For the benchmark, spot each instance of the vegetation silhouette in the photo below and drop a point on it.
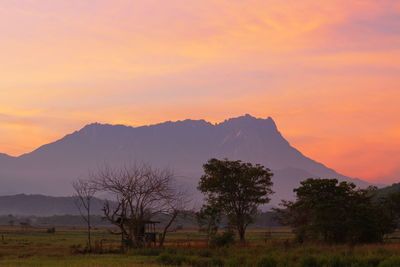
(237, 189)
(140, 192)
(337, 212)
(84, 194)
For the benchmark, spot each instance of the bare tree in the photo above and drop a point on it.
(84, 193)
(140, 192)
(175, 207)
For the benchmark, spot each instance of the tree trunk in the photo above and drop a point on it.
(164, 233)
(89, 229)
(242, 232)
(137, 235)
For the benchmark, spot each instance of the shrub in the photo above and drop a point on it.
(267, 262)
(51, 230)
(200, 262)
(390, 262)
(222, 240)
(339, 261)
(238, 261)
(205, 253)
(217, 262)
(76, 248)
(309, 261)
(373, 261)
(127, 243)
(171, 250)
(171, 259)
(148, 252)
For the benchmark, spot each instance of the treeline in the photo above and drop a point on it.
(324, 210)
(337, 212)
(188, 222)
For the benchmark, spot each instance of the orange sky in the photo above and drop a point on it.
(327, 71)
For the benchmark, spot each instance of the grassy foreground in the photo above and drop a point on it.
(35, 247)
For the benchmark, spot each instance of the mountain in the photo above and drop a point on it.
(386, 191)
(182, 145)
(5, 157)
(40, 205)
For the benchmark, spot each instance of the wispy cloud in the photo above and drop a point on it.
(324, 69)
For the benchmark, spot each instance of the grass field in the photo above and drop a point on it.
(35, 247)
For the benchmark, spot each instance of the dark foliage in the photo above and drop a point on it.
(209, 219)
(334, 212)
(237, 188)
(224, 239)
(51, 230)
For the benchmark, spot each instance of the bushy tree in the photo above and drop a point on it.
(392, 202)
(237, 189)
(388, 209)
(333, 211)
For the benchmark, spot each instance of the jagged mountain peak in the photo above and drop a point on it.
(243, 121)
(181, 123)
(182, 145)
(247, 119)
(94, 127)
(249, 124)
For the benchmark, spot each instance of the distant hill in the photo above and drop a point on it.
(40, 205)
(385, 191)
(182, 145)
(61, 211)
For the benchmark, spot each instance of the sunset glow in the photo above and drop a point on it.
(328, 72)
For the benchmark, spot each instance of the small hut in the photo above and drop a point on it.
(150, 234)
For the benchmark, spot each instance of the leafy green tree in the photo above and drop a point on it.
(237, 189)
(330, 211)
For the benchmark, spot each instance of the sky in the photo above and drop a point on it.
(328, 72)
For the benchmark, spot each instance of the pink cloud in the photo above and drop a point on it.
(327, 70)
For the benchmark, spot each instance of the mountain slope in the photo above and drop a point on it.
(183, 146)
(40, 205)
(386, 191)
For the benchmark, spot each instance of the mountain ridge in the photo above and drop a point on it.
(182, 145)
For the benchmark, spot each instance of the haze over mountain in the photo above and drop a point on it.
(183, 146)
(39, 205)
